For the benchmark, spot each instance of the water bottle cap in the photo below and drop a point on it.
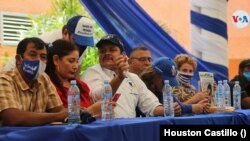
(224, 81)
(166, 81)
(73, 82)
(237, 82)
(219, 81)
(106, 81)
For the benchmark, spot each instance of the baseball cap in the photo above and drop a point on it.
(82, 29)
(167, 68)
(244, 63)
(111, 38)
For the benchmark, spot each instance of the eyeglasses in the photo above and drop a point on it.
(143, 59)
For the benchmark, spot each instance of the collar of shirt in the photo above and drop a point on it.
(111, 74)
(22, 84)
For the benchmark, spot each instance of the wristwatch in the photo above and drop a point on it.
(65, 120)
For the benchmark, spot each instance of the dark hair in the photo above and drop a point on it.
(136, 49)
(81, 48)
(147, 76)
(64, 28)
(22, 45)
(244, 63)
(61, 48)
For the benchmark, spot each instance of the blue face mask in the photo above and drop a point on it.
(32, 69)
(247, 75)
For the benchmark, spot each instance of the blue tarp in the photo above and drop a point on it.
(136, 28)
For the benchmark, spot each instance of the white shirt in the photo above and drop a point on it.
(133, 92)
(50, 37)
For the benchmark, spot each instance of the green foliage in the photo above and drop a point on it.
(60, 13)
(6, 58)
(90, 59)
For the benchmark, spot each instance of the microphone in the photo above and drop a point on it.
(86, 117)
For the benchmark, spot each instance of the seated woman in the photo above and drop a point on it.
(62, 67)
(165, 69)
(186, 92)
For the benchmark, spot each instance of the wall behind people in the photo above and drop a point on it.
(168, 15)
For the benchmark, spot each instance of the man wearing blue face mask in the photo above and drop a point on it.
(28, 97)
(244, 78)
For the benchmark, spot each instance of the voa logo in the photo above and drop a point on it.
(240, 18)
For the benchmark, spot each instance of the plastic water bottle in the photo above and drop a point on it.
(237, 95)
(168, 102)
(106, 101)
(227, 93)
(220, 97)
(74, 103)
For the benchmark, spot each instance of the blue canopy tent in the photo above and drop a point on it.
(136, 28)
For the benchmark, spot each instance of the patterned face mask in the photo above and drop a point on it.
(184, 78)
(32, 69)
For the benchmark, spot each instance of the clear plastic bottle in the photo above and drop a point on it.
(237, 96)
(227, 93)
(168, 102)
(106, 101)
(73, 103)
(220, 97)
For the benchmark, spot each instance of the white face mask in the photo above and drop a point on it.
(41, 70)
(33, 69)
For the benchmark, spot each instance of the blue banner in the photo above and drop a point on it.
(136, 28)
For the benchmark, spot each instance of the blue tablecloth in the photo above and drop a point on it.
(136, 129)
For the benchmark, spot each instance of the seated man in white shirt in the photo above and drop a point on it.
(133, 91)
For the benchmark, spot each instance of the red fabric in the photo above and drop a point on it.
(85, 98)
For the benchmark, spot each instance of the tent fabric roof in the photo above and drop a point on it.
(135, 27)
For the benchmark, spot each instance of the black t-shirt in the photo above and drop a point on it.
(244, 84)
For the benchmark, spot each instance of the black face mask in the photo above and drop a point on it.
(86, 117)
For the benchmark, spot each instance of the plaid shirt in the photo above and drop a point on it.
(15, 93)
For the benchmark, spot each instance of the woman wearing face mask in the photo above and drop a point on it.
(164, 68)
(62, 67)
(186, 92)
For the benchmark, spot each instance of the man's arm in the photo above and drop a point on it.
(94, 80)
(16, 117)
(11, 115)
(115, 83)
(95, 77)
(121, 69)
